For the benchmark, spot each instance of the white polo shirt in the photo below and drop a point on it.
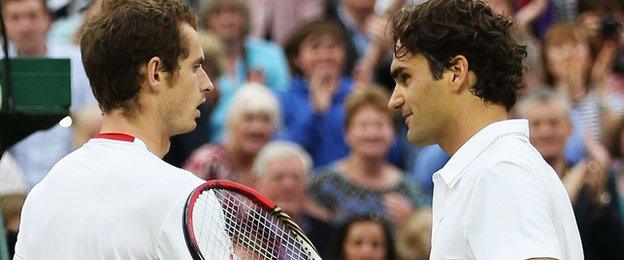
(497, 198)
(110, 199)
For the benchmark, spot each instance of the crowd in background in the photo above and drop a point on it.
(300, 113)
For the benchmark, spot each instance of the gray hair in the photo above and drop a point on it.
(253, 97)
(543, 95)
(277, 150)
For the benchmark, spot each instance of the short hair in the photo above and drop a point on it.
(211, 7)
(125, 35)
(256, 97)
(311, 30)
(439, 30)
(543, 95)
(374, 96)
(277, 150)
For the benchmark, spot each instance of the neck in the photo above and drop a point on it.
(233, 49)
(468, 123)
(370, 167)
(155, 138)
(38, 51)
(558, 163)
(242, 161)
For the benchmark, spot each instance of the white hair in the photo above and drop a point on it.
(253, 97)
(277, 150)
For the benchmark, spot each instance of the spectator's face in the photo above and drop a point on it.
(500, 7)
(227, 23)
(370, 132)
(422, 100)
(322, 54)
(284, 182)
(567, 57)
(550, 127)
(27, 23)
(365, 241)
(252, 130)
(184, 92)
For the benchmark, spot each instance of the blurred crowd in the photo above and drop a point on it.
(300, 113)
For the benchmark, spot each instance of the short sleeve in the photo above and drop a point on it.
(510, 215)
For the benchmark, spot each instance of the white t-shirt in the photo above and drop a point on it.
(110, 199)
(497, 198)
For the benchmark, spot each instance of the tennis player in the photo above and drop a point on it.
(458, 69)
(114, 198)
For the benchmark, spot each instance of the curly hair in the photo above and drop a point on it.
(439, 30)
(125, 35)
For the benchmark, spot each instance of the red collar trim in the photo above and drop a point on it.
(116, 136)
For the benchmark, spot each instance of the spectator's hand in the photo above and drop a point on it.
(529, 12)
(602, 68)
(398, 208)
(598, 166)
(323, 83)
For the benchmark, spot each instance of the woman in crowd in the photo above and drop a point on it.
(245, 59)
(571, 71)
(365, 182)
(251, 123)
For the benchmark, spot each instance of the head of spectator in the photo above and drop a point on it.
(281, 173)
(150, 74)
(549, 119)
(567, 56)
(504, 7)
(228, 19)
(364, 237)
(369, 123)
(252, 120)
(413, 238)
(27, 24)
(317, 50)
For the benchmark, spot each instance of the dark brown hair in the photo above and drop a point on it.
(442, 29)
(367, 95)
(311, 30)
(126, 35)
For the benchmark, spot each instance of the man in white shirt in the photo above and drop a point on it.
(27, 23)
(114, 198)
(457, 70)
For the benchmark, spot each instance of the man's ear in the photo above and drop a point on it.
(153, 73)
(460, 73)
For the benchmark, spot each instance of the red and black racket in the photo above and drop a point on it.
(227, 220)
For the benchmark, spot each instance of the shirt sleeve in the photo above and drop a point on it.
(510, 215)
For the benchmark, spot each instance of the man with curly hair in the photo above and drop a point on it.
(458, 70)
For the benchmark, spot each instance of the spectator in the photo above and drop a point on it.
(245, 59)
(27, 23)
(365, 182)
(11, 205)
(364, 237)
(568, 65)
(281, 172)
(278, 19)
(413, 239)
(589, 183)
(251, 123)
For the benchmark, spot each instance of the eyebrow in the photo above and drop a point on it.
(199, 60)
(396, 72)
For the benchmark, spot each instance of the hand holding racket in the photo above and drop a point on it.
(226, 220)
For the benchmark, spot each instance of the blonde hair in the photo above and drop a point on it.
(413, 239)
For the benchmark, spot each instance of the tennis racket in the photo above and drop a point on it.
(227, 220)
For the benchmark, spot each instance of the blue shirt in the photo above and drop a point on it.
(260, 55)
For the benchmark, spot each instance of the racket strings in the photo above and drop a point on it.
(244, 230)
